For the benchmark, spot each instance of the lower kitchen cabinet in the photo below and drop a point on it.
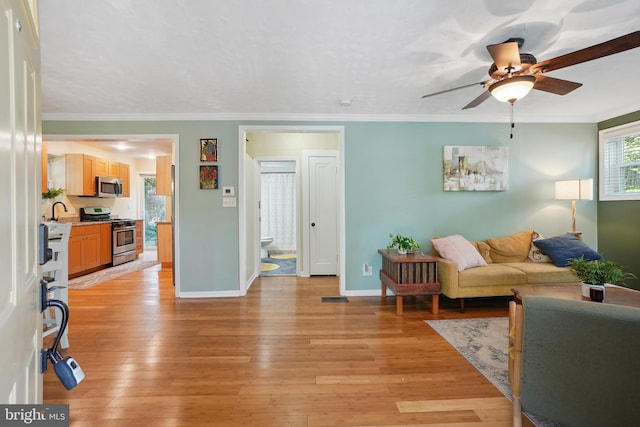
(106, 237)
(165, 244)
(89, 248)
(139, 237)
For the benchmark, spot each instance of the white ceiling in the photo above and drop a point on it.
(298, 59)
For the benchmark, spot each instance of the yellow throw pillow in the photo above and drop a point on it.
(513, 248)
(484, 250)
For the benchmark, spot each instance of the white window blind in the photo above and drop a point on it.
(620, 163)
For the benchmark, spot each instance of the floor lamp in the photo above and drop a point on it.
(574, 189)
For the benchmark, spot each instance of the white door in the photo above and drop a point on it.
(323, 215)
(20, 201)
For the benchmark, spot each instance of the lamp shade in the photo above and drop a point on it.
(574, 189)
(512, 89)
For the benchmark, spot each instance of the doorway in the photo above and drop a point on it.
(277, 217)
(153, 210)
(278, 142)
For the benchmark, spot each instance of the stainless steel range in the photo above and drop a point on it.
(124, 240)
(123, 245)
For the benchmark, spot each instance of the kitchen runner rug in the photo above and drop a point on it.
(484, 343)
(92, 279)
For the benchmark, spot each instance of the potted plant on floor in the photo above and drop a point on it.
(595, 274)
(404, 244)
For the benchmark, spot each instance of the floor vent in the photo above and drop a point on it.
(335, 299)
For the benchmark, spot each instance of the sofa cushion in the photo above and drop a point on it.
(563, 248)
(459, 250)
(513, 248)
(535, 254)
(492, 274)
(484, 250)
(544, 273)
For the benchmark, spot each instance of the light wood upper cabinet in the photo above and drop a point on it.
(126, 181)
(114, 169)
(82, 169)
(80, 175)
(102, 167)
(163, 175)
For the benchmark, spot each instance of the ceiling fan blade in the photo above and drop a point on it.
(479, 100)
(556, 86)
(505, 54)
(620, 44)
(452, 89)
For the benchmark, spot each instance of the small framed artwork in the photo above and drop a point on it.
(209, 150)
(209, 177)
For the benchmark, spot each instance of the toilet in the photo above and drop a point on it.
(264, 242)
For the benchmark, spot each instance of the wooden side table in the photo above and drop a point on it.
(411, 274)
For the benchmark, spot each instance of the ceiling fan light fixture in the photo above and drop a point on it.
(512, 89)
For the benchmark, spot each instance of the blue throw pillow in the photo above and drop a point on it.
(563, 248)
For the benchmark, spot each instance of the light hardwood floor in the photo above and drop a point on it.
(277, 357)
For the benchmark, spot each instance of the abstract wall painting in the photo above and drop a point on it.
(475, 168)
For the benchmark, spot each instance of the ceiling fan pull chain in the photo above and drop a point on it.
(512, 124)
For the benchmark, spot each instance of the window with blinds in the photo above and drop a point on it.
(620, 162)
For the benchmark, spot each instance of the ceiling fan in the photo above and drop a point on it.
(514, 74)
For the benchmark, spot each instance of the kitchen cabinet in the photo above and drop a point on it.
(114, 169)
(80, 175)
(106, 237)
(163, 175)
(102, 167)
(124, 176)
(165, 244)
(139, 237)
(82, 169)
(121, 171)
(85, 248)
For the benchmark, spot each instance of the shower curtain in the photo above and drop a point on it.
(278, 209)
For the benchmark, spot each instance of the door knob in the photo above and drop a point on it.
(313, 224)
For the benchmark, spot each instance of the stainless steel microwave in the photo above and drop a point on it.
(107, 186)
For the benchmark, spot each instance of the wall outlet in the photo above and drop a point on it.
(367, 270)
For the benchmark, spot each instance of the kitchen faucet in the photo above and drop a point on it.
(53, 210)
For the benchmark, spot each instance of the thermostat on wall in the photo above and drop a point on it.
(228, 191)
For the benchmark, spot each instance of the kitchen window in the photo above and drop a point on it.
(620, 162)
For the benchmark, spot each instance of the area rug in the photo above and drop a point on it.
(92, 279)
(484, 343)
(278, 265)
(267, 266)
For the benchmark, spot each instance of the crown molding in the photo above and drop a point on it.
(322, 117)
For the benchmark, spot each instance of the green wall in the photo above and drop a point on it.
(619, 221)
(393, 183)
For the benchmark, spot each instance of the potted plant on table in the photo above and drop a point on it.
(595, 274)
(404, 244)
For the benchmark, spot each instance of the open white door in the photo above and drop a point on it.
(323, 215)
(20, 201)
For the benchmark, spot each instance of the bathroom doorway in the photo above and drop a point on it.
(299, 144)
(277, 216)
